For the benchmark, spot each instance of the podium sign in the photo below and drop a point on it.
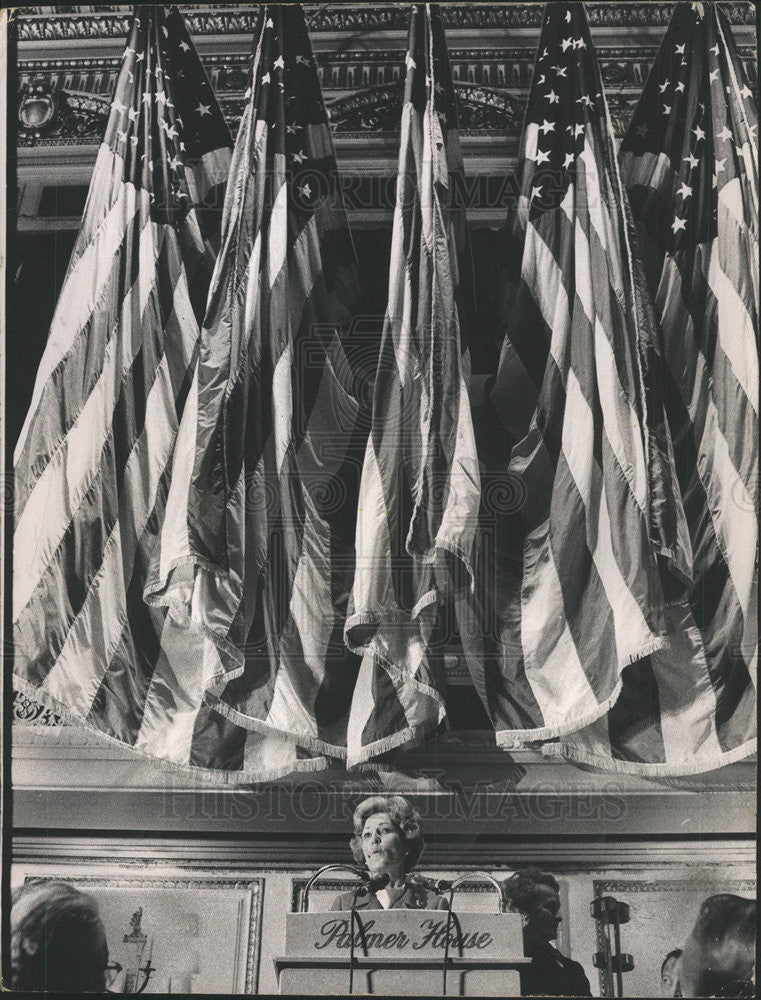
(401, 952)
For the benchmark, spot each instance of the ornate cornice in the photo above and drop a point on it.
(360, 63)
(69, 59)
(40, 24)
(250, 856)
(360, 78)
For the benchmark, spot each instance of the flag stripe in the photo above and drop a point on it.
(86, 283)
(550, 655)
(77, 365)
(68, 476)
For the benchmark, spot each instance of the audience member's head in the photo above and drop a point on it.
(58, 942)
(536, 895)
(670, 973)
(719, 954)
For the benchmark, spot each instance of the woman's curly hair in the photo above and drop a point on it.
(57, 939)
(520, 889)
(402, 814)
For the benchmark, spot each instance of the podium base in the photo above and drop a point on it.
(389, 978)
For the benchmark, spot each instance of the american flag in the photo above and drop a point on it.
(257, 550)
(569, 594)
(93, 461)
(420, 490)
(690, 163)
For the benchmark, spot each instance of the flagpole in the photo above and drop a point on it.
(738, 95)
(622, 200)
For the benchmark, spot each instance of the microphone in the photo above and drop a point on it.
(443, 885)
(374, 884)
(440, 885)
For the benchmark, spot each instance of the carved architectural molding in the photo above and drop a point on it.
(111, 21)
(64, 90)
(277, 853)
(25, 711)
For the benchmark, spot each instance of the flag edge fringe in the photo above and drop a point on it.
(208, 775)
(655, 770)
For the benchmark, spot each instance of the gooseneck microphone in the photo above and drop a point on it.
(361, 873)
(452, 886)
(439, 885)
(442, 885)
(367, 885)
(374, 884)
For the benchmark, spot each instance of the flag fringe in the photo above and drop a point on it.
(260, 726)
(207, 775)
(663, 769)
(515, 738)
(411, 737)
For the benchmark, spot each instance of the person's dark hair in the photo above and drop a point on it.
(738, 989)
(672, 955)
(520, 889)
(719, 954)
(402, 814)
(57, 940)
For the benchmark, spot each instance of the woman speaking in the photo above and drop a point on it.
(388, 840)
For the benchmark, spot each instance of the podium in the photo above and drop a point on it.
(401, 953)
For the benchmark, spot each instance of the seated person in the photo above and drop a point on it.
(58, 942)
(719, 954)
(672, 964)
(536, 896)
(388, 839)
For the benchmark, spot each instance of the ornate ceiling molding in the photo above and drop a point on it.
(110, 21)
(64, 89)
(69, 58)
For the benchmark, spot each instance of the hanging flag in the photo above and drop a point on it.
(92, 465)
(690, 162)
(418, 503)
(568, 591)
(257, 550)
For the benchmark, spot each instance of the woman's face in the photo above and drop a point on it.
(383, 846)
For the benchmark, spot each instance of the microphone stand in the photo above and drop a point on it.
(352, 943)
(368, 885)
(364, 876)
(359, 872)
(455, 884)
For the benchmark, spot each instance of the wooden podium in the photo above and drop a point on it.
(401, 953)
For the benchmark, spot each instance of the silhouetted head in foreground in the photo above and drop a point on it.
(58, 942)
(719, 954)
